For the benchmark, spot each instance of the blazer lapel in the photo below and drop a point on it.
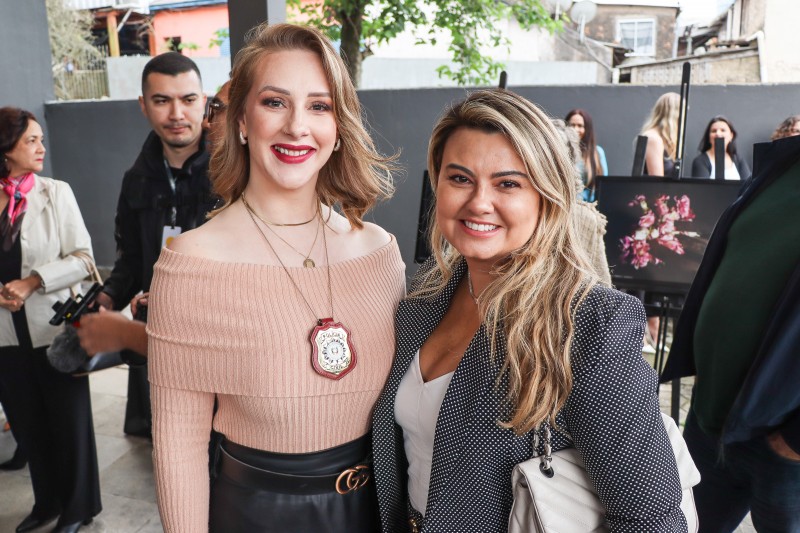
(37, 200)
(415, 320)
(472, 380)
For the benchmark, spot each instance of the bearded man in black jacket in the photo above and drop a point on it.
(164, 193)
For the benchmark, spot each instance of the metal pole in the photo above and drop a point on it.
(244, 14)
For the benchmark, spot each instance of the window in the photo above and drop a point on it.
(173, 44)
(638, 35)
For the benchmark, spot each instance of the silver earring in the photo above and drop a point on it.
(337, 145)
(242, 138)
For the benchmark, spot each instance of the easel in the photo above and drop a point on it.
(666, 311)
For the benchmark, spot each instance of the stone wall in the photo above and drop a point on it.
(718, 68)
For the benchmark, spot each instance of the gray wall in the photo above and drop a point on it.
(26, 79)
(91, 146)
(94, 142)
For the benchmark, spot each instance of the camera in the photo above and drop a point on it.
(73, 308)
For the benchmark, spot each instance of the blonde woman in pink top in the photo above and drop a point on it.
(279, 307)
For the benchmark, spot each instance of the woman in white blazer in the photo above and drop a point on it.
(44, 250)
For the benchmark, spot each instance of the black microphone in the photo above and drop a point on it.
(638, 156)
(719, 158)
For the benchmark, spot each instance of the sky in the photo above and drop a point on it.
(693, 11)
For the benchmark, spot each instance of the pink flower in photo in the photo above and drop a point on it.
(647, 220)
(661, 205)
(637, 253)
(656, 227)
(667, 227)
(640, 200)
(684, 207)
(671, 243)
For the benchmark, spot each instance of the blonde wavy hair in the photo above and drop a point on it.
(529, 306)
(355, 177)
(664, 119)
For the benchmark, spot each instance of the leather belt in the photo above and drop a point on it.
(349, 480)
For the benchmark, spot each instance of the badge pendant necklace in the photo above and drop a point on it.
(332, 353)
(307, 261)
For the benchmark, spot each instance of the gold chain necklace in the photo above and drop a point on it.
(307, 261)
(268, 223)
(471, 291)
(332, 353)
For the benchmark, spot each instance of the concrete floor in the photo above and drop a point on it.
(126, 472)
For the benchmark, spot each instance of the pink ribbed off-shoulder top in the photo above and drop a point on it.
(240, 332)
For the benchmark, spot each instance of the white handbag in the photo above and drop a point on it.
(565, 502)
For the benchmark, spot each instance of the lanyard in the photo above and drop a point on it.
(173, 215)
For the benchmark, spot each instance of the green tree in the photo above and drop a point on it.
(361, 24)
(70, 45)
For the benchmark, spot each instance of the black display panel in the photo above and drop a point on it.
(658, 228)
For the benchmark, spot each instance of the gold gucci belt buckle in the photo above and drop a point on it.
(414, 525)
(352, 479)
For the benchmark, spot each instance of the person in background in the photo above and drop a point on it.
(112, 331)
(279, 307)
(44, 251)
(165, 192)
(739, 334)
(506, 332)
(592, 162)
(661, 130)
(788, 128)
(589, 224)
(703, 165)
(214, 122)
(19, 459)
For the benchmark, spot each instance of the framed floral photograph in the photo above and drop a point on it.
(658, 228)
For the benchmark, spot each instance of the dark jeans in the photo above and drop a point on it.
(749, 477)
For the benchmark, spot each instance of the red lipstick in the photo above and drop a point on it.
(305, 153)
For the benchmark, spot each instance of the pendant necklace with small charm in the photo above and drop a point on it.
(307, 261)
(332, 353)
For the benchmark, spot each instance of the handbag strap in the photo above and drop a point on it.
(90, 266)
(83, 256)
(546, 459)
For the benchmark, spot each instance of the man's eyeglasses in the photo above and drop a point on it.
(214, 107)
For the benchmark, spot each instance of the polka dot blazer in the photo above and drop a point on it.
(611, 417)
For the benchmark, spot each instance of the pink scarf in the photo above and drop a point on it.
(17, 189)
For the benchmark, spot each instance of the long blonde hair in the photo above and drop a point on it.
(530, 303)
(664, 120)
(355, 177)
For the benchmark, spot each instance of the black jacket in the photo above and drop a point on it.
(611, 414)
(701, 166)
(769, 399)
(144, 208)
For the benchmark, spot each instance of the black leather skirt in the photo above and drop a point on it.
(261, 492)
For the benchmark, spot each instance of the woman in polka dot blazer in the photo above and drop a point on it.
(505, 329)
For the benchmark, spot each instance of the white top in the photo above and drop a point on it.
(416, 410)
(731, 172)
